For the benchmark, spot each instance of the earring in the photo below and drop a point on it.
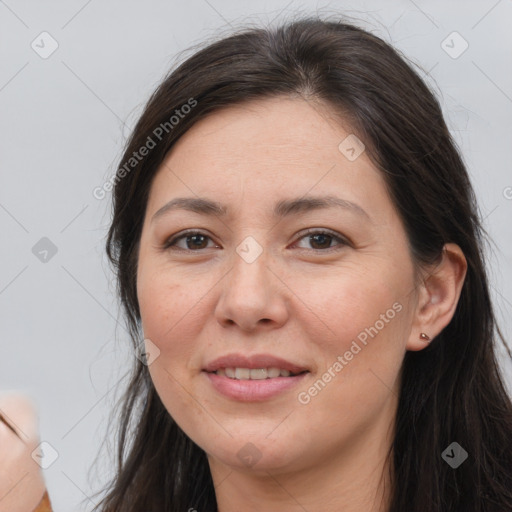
(423, 336)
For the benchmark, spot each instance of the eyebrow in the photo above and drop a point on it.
(283, 208)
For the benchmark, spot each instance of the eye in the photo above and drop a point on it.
(193, 241)
(321, 240)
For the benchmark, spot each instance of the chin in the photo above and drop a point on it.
(256, 454)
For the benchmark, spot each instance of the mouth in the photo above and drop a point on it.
(253, 378)
(255, 373)
(254, 367)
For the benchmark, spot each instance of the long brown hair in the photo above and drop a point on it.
(452, 391)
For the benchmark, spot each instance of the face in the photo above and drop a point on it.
(303, 268)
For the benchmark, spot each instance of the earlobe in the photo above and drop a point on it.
(424, 336)
(438, 298)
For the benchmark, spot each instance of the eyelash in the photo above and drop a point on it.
(170, 243)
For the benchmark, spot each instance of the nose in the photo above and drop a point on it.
(252, 295)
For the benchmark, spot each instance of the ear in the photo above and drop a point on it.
(438, 295)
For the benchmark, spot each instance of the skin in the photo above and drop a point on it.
(298, 300)
(21, 479)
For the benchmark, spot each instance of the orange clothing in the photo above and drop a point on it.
(44, 504)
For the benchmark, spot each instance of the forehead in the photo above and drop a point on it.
(287, 129)
(276, 146)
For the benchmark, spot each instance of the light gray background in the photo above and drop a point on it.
(63, 123)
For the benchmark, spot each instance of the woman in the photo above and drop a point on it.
(296, 243)
(218, 273)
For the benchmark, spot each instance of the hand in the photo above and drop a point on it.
(22, 484)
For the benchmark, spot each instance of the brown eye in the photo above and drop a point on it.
(322, 240)
(196, 241)
(189, 241)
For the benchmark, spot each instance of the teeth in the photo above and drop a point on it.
(273, 372)
(242, 373)
(253, 373)
(258, 373)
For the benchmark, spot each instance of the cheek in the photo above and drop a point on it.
(354, 305)
(359, 329)
(169, 316)
(163, 299)
(169, 320)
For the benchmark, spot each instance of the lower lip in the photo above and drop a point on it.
(252, 390)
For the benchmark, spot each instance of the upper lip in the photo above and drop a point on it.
(252, 362)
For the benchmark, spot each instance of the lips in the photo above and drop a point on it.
(256, 361)
(254, 378)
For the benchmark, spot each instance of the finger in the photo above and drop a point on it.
(21, 479)
(20, 413)
(4, 420)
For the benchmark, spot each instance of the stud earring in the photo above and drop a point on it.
(425, 337)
